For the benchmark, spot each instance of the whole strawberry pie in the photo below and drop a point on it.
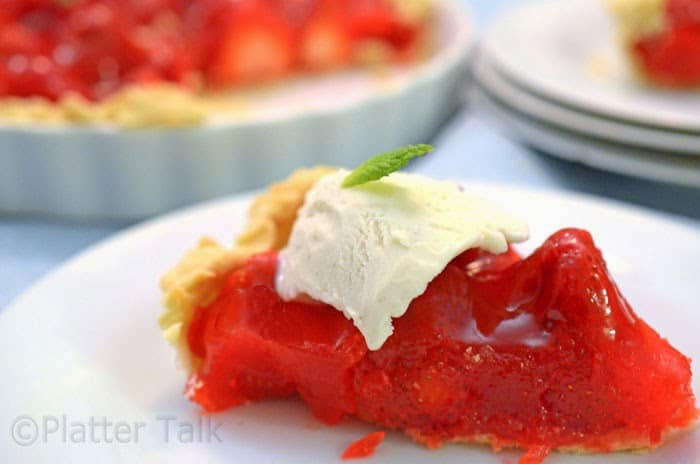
(78, 53)
(662, 38)
(400, 300)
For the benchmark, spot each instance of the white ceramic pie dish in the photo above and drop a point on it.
(339, 119)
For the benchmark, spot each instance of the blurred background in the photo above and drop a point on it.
(115, 112)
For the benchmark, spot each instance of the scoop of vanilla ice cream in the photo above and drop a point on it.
(370, 250)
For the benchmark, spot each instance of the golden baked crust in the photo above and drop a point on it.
(615, 441)
(272, 214)
(134, 107)
(413, 11)
(196, 280)
(638, 18)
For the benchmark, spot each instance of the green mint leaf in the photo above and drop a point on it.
(384, 164)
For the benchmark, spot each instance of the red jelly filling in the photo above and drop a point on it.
(672, 57)
(364, 447)
(94, 47)
(538, 352)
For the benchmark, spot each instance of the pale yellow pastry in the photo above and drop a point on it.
(197, 278)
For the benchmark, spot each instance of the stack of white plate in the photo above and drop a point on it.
(553, 73)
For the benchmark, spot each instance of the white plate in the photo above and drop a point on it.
(569, 51)
(84, 343)
(551, 112)
(338, 119)
(654, 165)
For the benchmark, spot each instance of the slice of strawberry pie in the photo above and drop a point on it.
(662, 39)
(400, 301)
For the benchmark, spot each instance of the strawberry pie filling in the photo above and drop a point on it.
(541, 352)
(672, 56)
(50, 48)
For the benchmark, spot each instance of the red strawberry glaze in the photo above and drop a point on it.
(540, 353)
(535, 455)
(95, 47)
(672, 57)
(364, 447)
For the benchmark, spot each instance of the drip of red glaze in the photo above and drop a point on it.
(364, 447)
(535, 455)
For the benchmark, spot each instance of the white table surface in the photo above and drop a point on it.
(469, 145)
